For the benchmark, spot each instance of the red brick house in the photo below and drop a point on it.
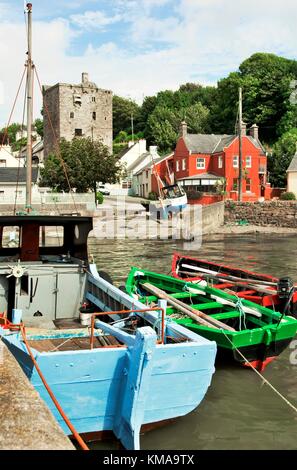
(204, 162)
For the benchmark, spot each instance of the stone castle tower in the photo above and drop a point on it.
(82, 110)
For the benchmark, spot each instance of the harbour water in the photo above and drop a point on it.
(239, 411)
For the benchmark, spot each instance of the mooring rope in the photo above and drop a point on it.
(294, 408)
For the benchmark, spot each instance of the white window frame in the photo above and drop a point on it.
(220, 161)
(177, 165)
(235, 161)
(184, 164)
(250, 185)
(248, 161)
(200, 163)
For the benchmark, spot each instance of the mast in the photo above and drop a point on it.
(240, 146)
(30, 67)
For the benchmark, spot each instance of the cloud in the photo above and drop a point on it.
(93, 20)
(192, 40)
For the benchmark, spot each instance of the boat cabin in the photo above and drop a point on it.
(43, 264)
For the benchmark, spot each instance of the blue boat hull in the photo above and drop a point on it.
(97, 391)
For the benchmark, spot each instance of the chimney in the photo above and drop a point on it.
(153, 150)
(183, 129)
(254, 131)
(85, 77)
(243, 128)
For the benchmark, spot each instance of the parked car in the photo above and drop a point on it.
(103, 190)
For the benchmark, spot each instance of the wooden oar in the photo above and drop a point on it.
(235, 283)
(196, 315)
(228, 277)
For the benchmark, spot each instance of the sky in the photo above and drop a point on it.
(139, 47)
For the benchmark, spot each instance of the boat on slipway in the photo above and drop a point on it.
(132, 369)
(269, 291)
(245, 332)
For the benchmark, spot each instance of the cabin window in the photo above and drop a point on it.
(248, 162)
(248, 185)
(51, 236)
(78, 132)
(200, 163)
(25, 284)
(71, 115)
(11, 237)
(94, 116)
(220, 162)
(235, 161)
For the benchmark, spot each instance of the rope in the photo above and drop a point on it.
(56, 142)
(51, 394)
(239, 307)
(294, 408)
(19, 165)
(12, 110)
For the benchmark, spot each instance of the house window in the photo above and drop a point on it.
(220, 162)
(78, 132)
(235, 161)
(2, 163)
(235, 184)
(77, 99)
(184, 164)
(126, 184)
(177, 165)
(200, 163)
(248, 162)
(248, 185)
(71, 115)
(146, 174)
(94, 116)
(93, 99)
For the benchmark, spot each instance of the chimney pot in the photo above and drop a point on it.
(183, 130)
(254, 131)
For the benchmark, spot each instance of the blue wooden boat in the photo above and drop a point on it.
(124, 386)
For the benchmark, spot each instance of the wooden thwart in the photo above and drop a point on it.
(196, 315)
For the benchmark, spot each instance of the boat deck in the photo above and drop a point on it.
(73, 344)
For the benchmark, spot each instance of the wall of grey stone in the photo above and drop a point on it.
(212, 217)
(268, 213)
(51, 209)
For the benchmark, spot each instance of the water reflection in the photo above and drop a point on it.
(239, 412)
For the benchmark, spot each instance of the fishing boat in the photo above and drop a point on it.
(116, 375)
(245, 332)
(272, 292)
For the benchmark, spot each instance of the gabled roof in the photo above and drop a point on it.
(211, 143)
(137, 161)
(293, 164)
(202, 143)
(12, 175)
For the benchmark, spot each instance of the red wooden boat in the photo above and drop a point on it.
(272, 292)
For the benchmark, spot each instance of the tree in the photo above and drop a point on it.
(38, 124)
(162, 128)
(196, 117)
(86, 162)
(123, 109)
(11, 132)
(279, 161)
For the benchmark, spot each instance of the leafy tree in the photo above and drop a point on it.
(162, 128)
(196, 117)
(123, 109)
(279, 161)
(38, 124)
(87, 162)
(12, 131)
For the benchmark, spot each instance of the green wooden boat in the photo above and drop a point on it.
(244, 331)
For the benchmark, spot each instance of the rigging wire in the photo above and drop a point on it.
(19, 163)
(56, 143)
(12, 110)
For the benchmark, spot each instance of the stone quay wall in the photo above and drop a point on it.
(268, 213)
